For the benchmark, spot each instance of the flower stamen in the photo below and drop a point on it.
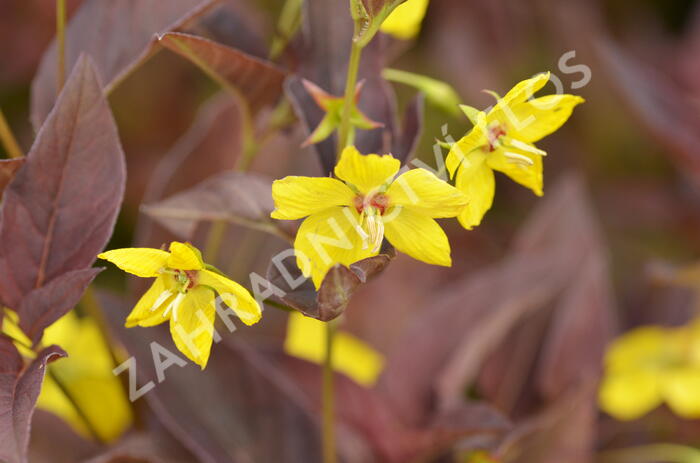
(174, 305)
(519, 159)
(375, 228)
(164, 296)
(371, 209)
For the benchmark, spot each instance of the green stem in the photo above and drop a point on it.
(214, 240)
(288, 24)
(60, 44)
(281, 117)
(349, 103)
(329, 452)
(8, 139)
(669, 453)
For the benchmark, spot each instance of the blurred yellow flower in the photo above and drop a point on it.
(306, 338)
(502, 140)
(348, 217)
(81, 388)
(184, 293)
(86, 374)
(652, 365)
(405, 21)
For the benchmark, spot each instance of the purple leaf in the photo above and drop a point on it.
(406, 141)
(8, 169)
(43, 306)
(47, 429)
(119, 35)
(19, 390)
(202, 151)
(365, 411)
(259, 82)
(656, 102)
(336, 289)
(476, 316)
(60, 210)
(233, 197)
(242, 408)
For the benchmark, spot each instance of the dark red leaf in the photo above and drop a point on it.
(239, 408)
(209, 146)
(43, 306)
(656, 102)
(561, 432)
(19, 390)
(118, 35)
(364, 411)
(257, 81)
(147, 446)
(8, 169)
(374, 7)
(336, 290)
(584, 317)
(233, 197)
(406, 141)
(471, 320)
(60, 210)
(47, 429)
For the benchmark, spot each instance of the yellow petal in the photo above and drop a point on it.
(146, 312)
(417, 235)
(530, 176)
(476, 180)
(86, 374)
(471, 112)
(233, 295)
(468, 144)
(644, 346)
(328, 238)
(192, 325)
(297, 197)
(682, 392)
(10, 327)
(693, 349)
(537, 118)
(405, 21)
(366, 172)
(184, 256)
(520, 93)
(420, 190)
(143, 262)
(306, 339)
(628, 396)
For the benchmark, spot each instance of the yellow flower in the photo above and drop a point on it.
(306, 338)
(405, 21)
(502, 140)
(85, 376)
(347, 219)
(184, 292)
(652, 365)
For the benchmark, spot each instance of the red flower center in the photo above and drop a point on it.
(187, 277)
(378, 201)
(495, 132)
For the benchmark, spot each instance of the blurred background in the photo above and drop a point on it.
(622, 200)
